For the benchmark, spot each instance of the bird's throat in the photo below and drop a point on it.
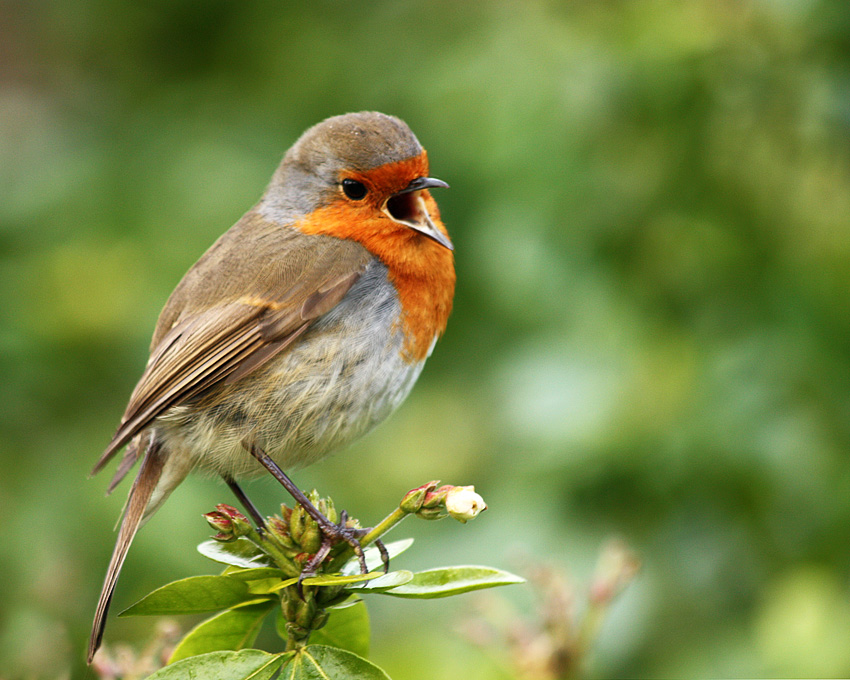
(421, 270)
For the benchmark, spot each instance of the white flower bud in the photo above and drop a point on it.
(463, 503)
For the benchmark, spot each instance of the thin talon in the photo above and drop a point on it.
(385, 556)
(310, 568)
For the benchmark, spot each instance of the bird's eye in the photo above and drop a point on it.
(353, 189)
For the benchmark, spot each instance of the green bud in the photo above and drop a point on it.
(289, 606)
(320, 619)
(326, 507)
(279, 530)
(327, 596)
(297, 523)
(311, 538)
(296, 632)
(285, 512)
(413, 499)
(306, 613)
(432, 513)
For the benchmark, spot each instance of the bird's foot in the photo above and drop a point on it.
(342, 533)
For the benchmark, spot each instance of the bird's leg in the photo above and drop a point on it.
(334, 532)
(379, 544)
(245, 501)
(311, 566)
(385, 556)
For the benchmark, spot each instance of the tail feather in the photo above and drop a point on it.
(137, 504)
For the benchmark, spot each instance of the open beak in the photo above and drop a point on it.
(408, 208)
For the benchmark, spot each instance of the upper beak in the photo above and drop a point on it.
(411, 210)
(423, 183)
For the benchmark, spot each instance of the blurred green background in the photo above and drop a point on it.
(650, 204)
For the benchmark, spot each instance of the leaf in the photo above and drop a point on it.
(392, 580)
(319, 662)
(340, 579)
(254, 574)
(284, 584)
(327, 580)
(233, 629)
(447, 581)
(373, 556)
(247, 664)
(191, 596)
(239, 553)
(266, 586)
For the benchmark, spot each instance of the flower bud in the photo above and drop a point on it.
(305, 613)
(228, 521)
(413, 499)
(432, 513)
(297, 523)
(222, 525)
(311, 538)
(326, 507)
(279, 529)
(463, 503)
(285, 512)
(320, 619)
(436, 498)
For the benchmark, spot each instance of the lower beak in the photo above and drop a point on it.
(408, 208)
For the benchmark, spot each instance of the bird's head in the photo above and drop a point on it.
(367, 170)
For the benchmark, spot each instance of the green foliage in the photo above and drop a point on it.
(235, 629)
(448, 581)
(318, 662)
(320, 609)
(314, 662)
(192, 595)
(247, 664)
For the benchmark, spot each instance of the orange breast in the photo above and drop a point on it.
(421, 270)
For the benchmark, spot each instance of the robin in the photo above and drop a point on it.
(304, 326)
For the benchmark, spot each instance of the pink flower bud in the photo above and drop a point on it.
(413, 499)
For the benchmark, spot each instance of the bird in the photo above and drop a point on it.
(301, 328)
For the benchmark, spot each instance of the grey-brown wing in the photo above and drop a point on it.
(228, 341)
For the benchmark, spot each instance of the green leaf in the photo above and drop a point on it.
(392, 580)
(327, 580)
(239, 553)
(347, 628)
(233, 629)
(191, 596)
(373, 556)
(266, 586)
(319, 662)
(447, 581)
(247, 664)
(340, 579)
(255, 574)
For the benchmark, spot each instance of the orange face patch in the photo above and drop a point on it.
(421, 270)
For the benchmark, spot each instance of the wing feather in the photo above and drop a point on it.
(226, 342)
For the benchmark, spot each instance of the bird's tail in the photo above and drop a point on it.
(136, 510)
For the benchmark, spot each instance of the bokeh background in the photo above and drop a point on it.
(651, 208)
